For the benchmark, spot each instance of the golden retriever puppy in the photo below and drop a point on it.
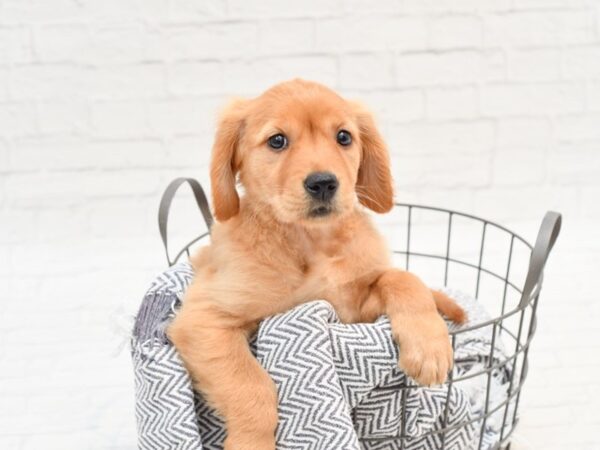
(307, 160)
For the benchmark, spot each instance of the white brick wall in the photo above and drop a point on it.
(489, 106)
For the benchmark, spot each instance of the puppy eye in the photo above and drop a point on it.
(344, 138)
(278, 142)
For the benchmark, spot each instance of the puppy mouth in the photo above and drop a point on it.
(320, 211)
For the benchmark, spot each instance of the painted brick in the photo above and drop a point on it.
(39, 11)
(416, 170)
(519, 166)
(114, 10)
(525, 202)
(210, 41)
(590, 206)
(575, 163)
(15, 44)
(58, 225)
(382, 6)
(534, 65)
(368, 33)
(443, 138)
(18, 227)
(447, 32)
(18, 118)
(50, 81)
(579, 127)
(460, 200)
(117, 43)
(286, 36)
(155, 12)
(452, 103)
(4, 84)
(15, 442)
(593, 95)
(542, 4)
(125, 82)
(532, 99)
(185, 116)
(102, 219)
(117, 154)
(60, 43)
(535, 28)
(186, 10)
(121, 183)
(271, 8)
(119, 118)
(4, 154)
(195, 78)
(54, 153)
(392, 106)
(532, 132)
(191, 153)
(249, 77)
(365, 72)
(434, 7)
(456, 67)
(581, 62)
(64, 116)
(33, 190)
(35, 154)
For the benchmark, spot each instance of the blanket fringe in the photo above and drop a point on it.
(155, 312)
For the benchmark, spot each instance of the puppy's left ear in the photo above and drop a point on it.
(374, 186)
(225, 160)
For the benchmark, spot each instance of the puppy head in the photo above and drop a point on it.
(303, 151)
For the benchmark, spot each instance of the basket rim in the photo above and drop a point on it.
(493, 321)
(467, 215)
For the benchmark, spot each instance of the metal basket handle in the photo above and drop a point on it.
(165, 206)
(546, 238)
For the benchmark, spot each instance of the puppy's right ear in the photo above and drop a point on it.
(224, 164)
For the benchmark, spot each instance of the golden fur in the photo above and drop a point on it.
(268, 254)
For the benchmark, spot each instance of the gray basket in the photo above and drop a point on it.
(517, 277)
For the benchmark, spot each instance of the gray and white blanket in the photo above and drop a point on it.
(339, 386)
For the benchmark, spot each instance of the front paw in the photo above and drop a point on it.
(425, 349)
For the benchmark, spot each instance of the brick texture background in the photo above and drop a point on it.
(489, 106)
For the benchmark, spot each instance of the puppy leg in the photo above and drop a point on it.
(230, 378)
(422, 335)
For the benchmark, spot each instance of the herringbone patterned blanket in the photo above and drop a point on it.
(338, 385)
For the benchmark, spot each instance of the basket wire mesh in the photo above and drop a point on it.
(516, 297)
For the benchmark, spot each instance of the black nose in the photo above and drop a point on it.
(321, 185)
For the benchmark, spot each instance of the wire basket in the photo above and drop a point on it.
(477, 256)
